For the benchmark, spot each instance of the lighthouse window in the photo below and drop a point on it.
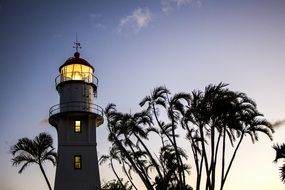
(77, 127)
(77, 162)
(77, 72)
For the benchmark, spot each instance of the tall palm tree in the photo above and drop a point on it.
(245, 120)
(213, 118)
(175, 111)
(219, 114)
(37, 151)
(159, 98)
(116, 123)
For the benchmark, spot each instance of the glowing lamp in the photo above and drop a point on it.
(76, 68)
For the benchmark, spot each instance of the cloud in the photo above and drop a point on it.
(168, 5)
(278, 123)
(139, 19)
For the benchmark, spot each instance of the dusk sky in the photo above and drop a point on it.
(134, 46)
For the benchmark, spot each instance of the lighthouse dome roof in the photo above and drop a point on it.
(75, 60)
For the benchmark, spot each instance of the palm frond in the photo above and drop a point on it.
(282, 173)
(145, 100)
(104, 158)
(280, 151)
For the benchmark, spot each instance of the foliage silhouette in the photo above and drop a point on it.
(280, 154)
(211, 120)
(116, 185)
(37, 151)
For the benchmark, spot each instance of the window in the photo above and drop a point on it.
(77, 72)
(77, 162)
(77, 127)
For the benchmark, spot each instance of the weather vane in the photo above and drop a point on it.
(77, 44)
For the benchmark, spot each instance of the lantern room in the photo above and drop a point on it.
(76, 72)
(76, 69)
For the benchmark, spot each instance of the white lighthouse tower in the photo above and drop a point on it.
(76, 119)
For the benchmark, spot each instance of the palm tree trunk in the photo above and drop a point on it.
(195, 154)
(214, 161)
(180, 170)
(128, 176)
(44, 174)
(150, 156)
(130, 159)
(212, 166)
(223, 157)
(216, 152)
(143, 170)
(208, 183)
(112, 166)
(199, 175)
(173, 142)
(232, 159)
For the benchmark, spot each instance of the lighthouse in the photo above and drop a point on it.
(76, 118)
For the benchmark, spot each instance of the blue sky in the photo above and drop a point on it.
(134, 47)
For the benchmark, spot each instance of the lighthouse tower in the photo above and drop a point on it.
(75, 119)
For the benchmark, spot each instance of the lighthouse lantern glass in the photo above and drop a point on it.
(77, 72)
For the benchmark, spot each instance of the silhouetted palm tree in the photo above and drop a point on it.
(280, 154)
(218, 113)
(117, 127)
(173, 106)
(176, 110)
(212, 118)
(158, 98)
(245, 120)
(36, 151)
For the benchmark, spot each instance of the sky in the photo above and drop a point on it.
(136, 45)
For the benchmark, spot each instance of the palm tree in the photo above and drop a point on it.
(175, 111)
(117, 127)
(280, 154)
(157, 98)
(212, 118)
(36, 151)
(173, 106)
(218, 114)
(245, 120)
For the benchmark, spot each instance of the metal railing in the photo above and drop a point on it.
(76, 106)
(82, 76)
